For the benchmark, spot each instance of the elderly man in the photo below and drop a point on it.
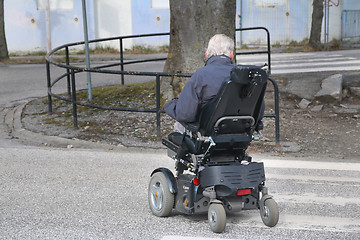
(205, 82)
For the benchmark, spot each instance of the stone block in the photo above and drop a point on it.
(304, 103)
(331, 88)
(317, 108)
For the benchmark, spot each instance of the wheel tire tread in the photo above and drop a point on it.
(273, 213)
(221, 217)
(168, 198)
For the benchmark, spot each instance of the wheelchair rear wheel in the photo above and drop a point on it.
(161, 200)
(217, 217)
(269, 213)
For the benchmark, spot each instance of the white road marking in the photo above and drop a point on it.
(312, 198)
(304, 178)
(303, 62)
(342, 166)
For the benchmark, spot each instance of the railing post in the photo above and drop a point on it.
(49, 86)
(73, 86)
(158, 107)
(122, 60)
(277, 114)
(67, 59)
(268, 49)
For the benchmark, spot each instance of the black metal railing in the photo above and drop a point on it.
(72, 70)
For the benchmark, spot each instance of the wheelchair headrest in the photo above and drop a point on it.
(244, 74)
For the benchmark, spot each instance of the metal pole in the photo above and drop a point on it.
(343, 23)
(326, 23)
(87, 50)
(122, 60)
(158, 108)
(68, 70)
(73, 86)
(277, 113)
(240, 23)
(49, 86)
(268, 49)
(48, 26)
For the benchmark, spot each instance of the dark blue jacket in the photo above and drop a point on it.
(200, 89)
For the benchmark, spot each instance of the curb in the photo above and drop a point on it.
(15, 129)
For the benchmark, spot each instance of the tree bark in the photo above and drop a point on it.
(3, 46)
(192, 24)
(317, 16)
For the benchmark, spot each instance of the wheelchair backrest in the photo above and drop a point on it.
(236, 107)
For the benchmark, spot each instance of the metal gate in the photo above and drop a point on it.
(350, 24)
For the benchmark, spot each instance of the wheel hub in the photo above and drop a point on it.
(157, 196)
(213, 218)
(265, 212)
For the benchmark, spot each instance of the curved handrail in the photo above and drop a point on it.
(71, 70)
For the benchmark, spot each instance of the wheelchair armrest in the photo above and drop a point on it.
(192, 127)
(181, 141)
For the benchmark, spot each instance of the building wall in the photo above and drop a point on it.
(150, 16)
(25, 24)
(113, 18)
(25, 21)
(287, 20)
(335, 8)
(277, 16)
(351, 20)
(348, 4)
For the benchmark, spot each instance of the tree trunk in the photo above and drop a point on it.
(317, 16)
(3, 46)
(192, 24)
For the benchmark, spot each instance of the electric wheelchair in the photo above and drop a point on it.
(214, 174)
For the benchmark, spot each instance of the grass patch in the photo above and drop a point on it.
(40, 60)
(145, 49)
(32, 53)
(243, 47)
(100, 50)
(52, 121)
(139, 95)
(108, 125)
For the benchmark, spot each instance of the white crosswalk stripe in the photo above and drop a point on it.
(305, 62)
(318, 186)
(315, 196)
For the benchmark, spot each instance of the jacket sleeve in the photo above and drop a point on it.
(184, 108)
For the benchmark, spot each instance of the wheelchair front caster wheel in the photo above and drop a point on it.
(269, 213)
(161, 200)
(217, 217)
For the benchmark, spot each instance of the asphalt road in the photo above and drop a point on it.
(60, 193)
(26, 81)
(49, 193)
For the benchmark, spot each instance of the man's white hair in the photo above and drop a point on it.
(220, 44)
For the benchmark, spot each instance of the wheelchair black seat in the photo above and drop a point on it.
(240, 96)
(231, 117)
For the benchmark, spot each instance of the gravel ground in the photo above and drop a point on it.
(321, 129)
